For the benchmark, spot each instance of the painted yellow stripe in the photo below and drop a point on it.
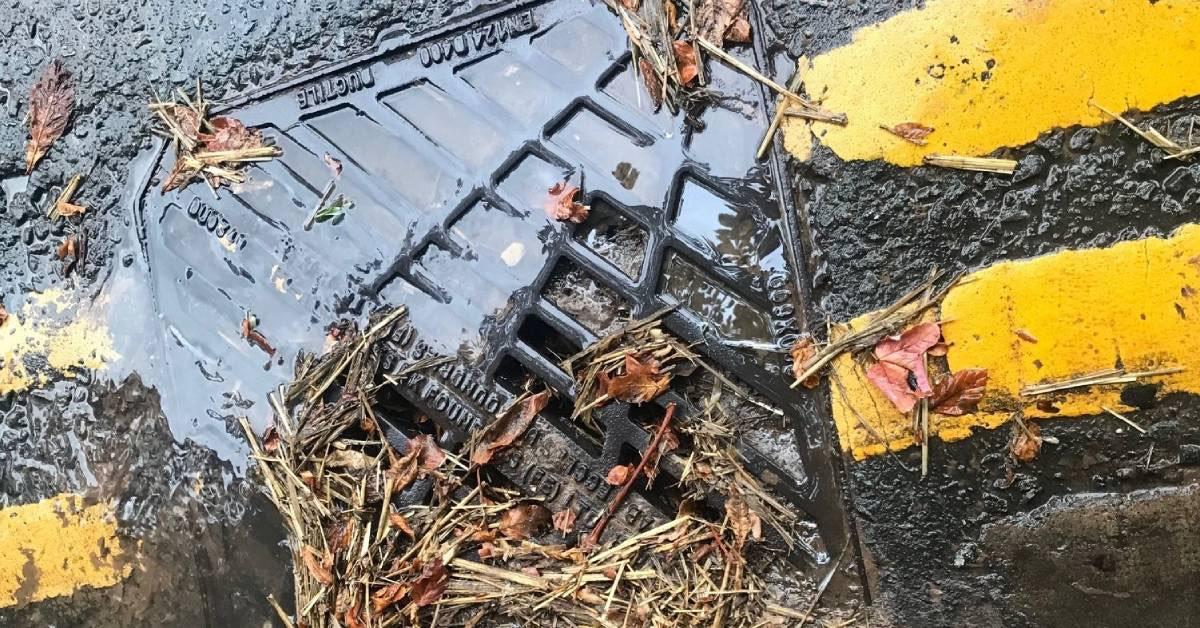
(57, 546)
(53, 335)
(1135, 303)
(992, 73)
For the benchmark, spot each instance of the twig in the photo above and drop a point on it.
(1098, 378)
(978, 164)
(781, 105)
(312, 216)
(283, 616)
(809, 109)
(1123, 418)
(1152, 136)
(593, 539)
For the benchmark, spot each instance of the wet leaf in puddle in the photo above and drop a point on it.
(564, 521)
(959, 393)
(562, 206)
(321, 568)
(654, 85)
(619, 474)
(803, 351)
(334, 164)
(50, 103)
(685, 61)
(523, 521)
(506, 429)
(913, 132)
(641, 381)
(431, 584)
(1026, 442)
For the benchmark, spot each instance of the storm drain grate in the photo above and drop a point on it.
(448, 145)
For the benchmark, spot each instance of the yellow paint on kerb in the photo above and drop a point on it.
(1048, 58)
(57, 546)
(1136, 304)
(52, 335)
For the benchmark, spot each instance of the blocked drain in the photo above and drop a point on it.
(448, 145)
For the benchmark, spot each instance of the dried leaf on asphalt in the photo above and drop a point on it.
(431, 584)
(803, 351)
(320, 568)
(685, 60)
(334, 164)
(229, 134)
(523, 521)
(654, 86)
(959, 393)
(1026, 443)
(506, 429)
(50, 104)
(562, 206)
(913, 132)
(900, 356)
(640, 382)
(429, 455)
(564, 521)
(619, 474)
(714, 17)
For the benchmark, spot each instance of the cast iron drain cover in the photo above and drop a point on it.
(449, 144)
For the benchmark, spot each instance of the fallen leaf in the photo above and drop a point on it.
(654, 86)
(334, 164)
(685, 61)
(3, 315)
(229, 134)
(349, 459)
(1026, 443)
(672, 17)
(187, 119)
(339, 534)
(619, 474)
(254, 337)
(588, 596)
(640, 382)
(50, 104)
(403, 470)
(898, 357)
(714, 17)
(803, 351)
(353, 616)
(959, 393)
(668, 443)
(523, 521)
(270, 442)
(1045, 405)
(1024, 334)
(431, 584)
(508, 427)
(429, 454)
(400, 522)
(742, 519)
(388, 596)
(564, 521)
(739, 30)
(562, 206)
(913, 132)
(632, 5)
(320, 568)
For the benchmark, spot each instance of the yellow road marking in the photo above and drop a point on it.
(57, 546)
(1049, 57)
(52, 336)
(1076, 311)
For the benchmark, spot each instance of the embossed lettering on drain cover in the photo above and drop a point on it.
(449, 144)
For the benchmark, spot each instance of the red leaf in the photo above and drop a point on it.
(561, 204)
(400, 522)
(523, 521)
(685, 60)
(50, 104)
(511, 424)
(619, 474)
(431, 584)
(913, 132)
(958, 393)
(254, 337)
(908, 351)
(739, 30)
(893, 381)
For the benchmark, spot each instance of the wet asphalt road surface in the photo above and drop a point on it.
(941, 552)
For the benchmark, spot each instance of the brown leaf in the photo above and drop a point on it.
(1026, 443)
(654, 86)
(431, 584)
(913, 132)
(3, 315)
(640, 382)
(320, 568)
(672, 17)
(506, 429)
(619, 474)
(958, 393)
(50, 104)
(402, 470)
(229, 134)
(898, 357)
(353, 616)
(400, 522)
(564, 521)
(66, 209)
(714, 17)
(803, 351)
(562, 206)
(742, 519)
(187, 119)
(254, 337)
(685, 61)
(739, 30)
(388, 595)
(668, 443)
(334, 164)
(523, 521)
(429, 454)
(270, 442)
(588, 596)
